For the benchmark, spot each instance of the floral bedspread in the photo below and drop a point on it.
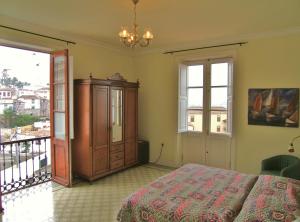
(272, 198)
(190, 193)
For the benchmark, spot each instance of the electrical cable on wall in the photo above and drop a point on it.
(158, 158)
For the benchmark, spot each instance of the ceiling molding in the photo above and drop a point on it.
(20, 24)
(119, 48)
(8, 43)
(222, 40)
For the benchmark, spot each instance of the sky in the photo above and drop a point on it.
(29, 66)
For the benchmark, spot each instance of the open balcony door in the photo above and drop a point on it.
(59, 117)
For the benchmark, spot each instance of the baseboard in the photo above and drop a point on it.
(161, 166)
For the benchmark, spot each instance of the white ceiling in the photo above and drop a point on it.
(173, 22)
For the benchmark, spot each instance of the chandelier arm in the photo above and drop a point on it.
(144, 43)
(125, 42)
(134, 22)
(134, 17)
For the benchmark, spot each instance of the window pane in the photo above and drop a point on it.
(195, 98)
(59, 125)
(195, 118)
(218, 121)
(59, 66)
(59, 97)
(219, 74)
(195, 75)
(218, 98)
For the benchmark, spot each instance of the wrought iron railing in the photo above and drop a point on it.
(24, 163)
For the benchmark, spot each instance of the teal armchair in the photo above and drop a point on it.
(282, 165)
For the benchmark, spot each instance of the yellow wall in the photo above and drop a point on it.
(88, 58)
(269, 62)
(101, 62)
(158, 104)
(264, 63)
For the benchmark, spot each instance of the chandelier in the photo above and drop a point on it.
(132, 38)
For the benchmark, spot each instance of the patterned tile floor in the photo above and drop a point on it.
(96, 202)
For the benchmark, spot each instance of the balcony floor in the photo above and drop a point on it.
(99, 201)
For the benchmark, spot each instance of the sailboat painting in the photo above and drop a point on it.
(273, 107)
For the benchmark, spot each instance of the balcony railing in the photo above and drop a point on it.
(24, 163)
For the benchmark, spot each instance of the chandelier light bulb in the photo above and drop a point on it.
(124, 33)
(148, 35)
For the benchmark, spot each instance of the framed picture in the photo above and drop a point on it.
(273, 107)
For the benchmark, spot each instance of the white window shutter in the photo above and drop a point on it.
(182, 99)
(230, 97)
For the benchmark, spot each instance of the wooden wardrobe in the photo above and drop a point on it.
(105, 120)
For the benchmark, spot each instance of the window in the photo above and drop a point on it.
(192, 119)
(32, 101)
(205, 96)
(32, 107)
(4, 93)
(8, 94)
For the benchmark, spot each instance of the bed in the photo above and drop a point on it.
(200, 193)
(272, 198)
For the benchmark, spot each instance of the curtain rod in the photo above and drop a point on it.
(206, 47)
(33, 33)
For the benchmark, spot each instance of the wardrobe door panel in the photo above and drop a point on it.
(100, 123)
(100, 117)
(130, 152)
(100, 161)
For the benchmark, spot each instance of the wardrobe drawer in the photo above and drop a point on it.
(116, 156)
(117, 148)
(116, 164)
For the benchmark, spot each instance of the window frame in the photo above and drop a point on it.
(207, 88)
(229, 86)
